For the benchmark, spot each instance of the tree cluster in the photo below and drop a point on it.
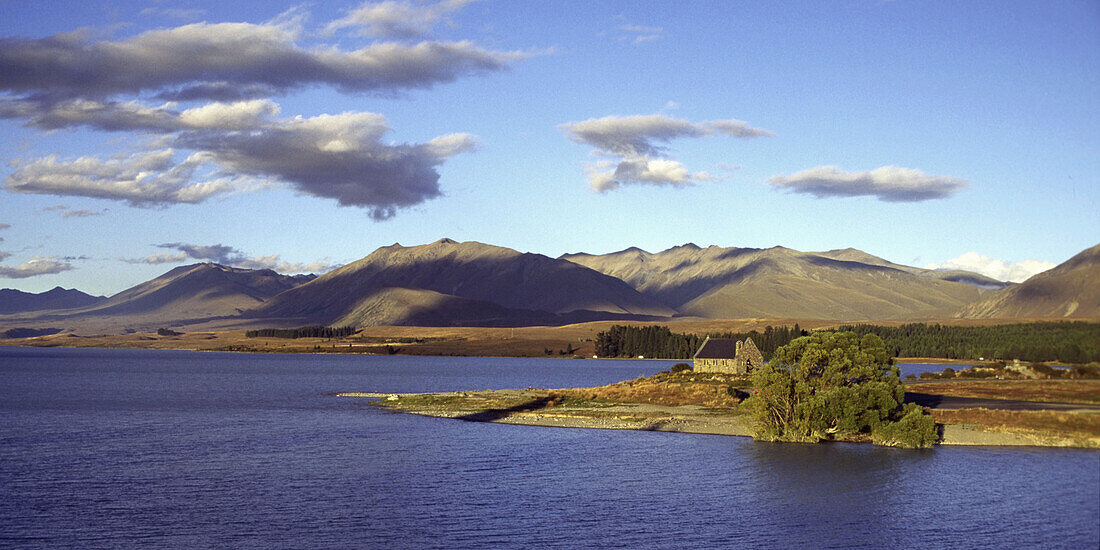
(658, 342)
(1065, 341)
(1073, 342)
(835, 385)
(302, 332)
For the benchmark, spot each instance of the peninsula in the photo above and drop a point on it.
(1052, 413)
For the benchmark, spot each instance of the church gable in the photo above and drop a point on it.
(727, 356)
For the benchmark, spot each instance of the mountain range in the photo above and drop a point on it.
(447, 283)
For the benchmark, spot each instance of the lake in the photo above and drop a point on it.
(127, 448)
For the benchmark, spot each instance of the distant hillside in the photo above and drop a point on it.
(1070, 290)
(953, 275)
(197, 291)
(186, 293)
(16, 301)
(446, 282)
(719, 282)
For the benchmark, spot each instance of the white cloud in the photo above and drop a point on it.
(241, 115)
(396, 19)
(229, 256)
(35, 267)
(337, 156)
(236, 142)
(1016, 272)
(635, 135)
(99, 114)
(633, 140)
(887, 183)
(643, 170)
(141, 179)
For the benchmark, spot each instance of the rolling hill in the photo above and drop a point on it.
(1070, 290)
(184, 294)
(447, 283)
(844, 285)
(17, 301)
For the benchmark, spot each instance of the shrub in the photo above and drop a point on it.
(1044, 370)
(680, 367)
(948, 373)
(1086, 371)
(913, 430)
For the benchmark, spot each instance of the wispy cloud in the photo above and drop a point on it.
(640, 34)
(213, 56)
(174, 13)
(229, 256)
(1001, 270)
(396, 19)
(35, 267)
(887, 183)
(635, 140)
(67, 212)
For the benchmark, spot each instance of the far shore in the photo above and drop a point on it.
(565, 342)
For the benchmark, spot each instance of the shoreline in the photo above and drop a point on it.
(532, 407)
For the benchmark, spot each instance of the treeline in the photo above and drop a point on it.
(1064, 341)
(302, 332)
(659, 342)
(1073, 342)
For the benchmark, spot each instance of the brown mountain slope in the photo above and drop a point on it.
(1071, 289)
(719, 282)
(444, 281)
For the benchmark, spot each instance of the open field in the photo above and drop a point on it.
(1044, 428)
(568, 340)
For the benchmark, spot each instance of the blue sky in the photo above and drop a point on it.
(139, 136)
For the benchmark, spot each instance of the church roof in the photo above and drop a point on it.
(717, 348)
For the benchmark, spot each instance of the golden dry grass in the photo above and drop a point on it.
(687, 388)
(470, 341)
(1082, 429)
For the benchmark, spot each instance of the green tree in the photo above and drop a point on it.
(829, 385)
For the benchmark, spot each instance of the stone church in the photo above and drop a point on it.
(727, 356)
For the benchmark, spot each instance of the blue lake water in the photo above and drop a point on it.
(117, 448)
